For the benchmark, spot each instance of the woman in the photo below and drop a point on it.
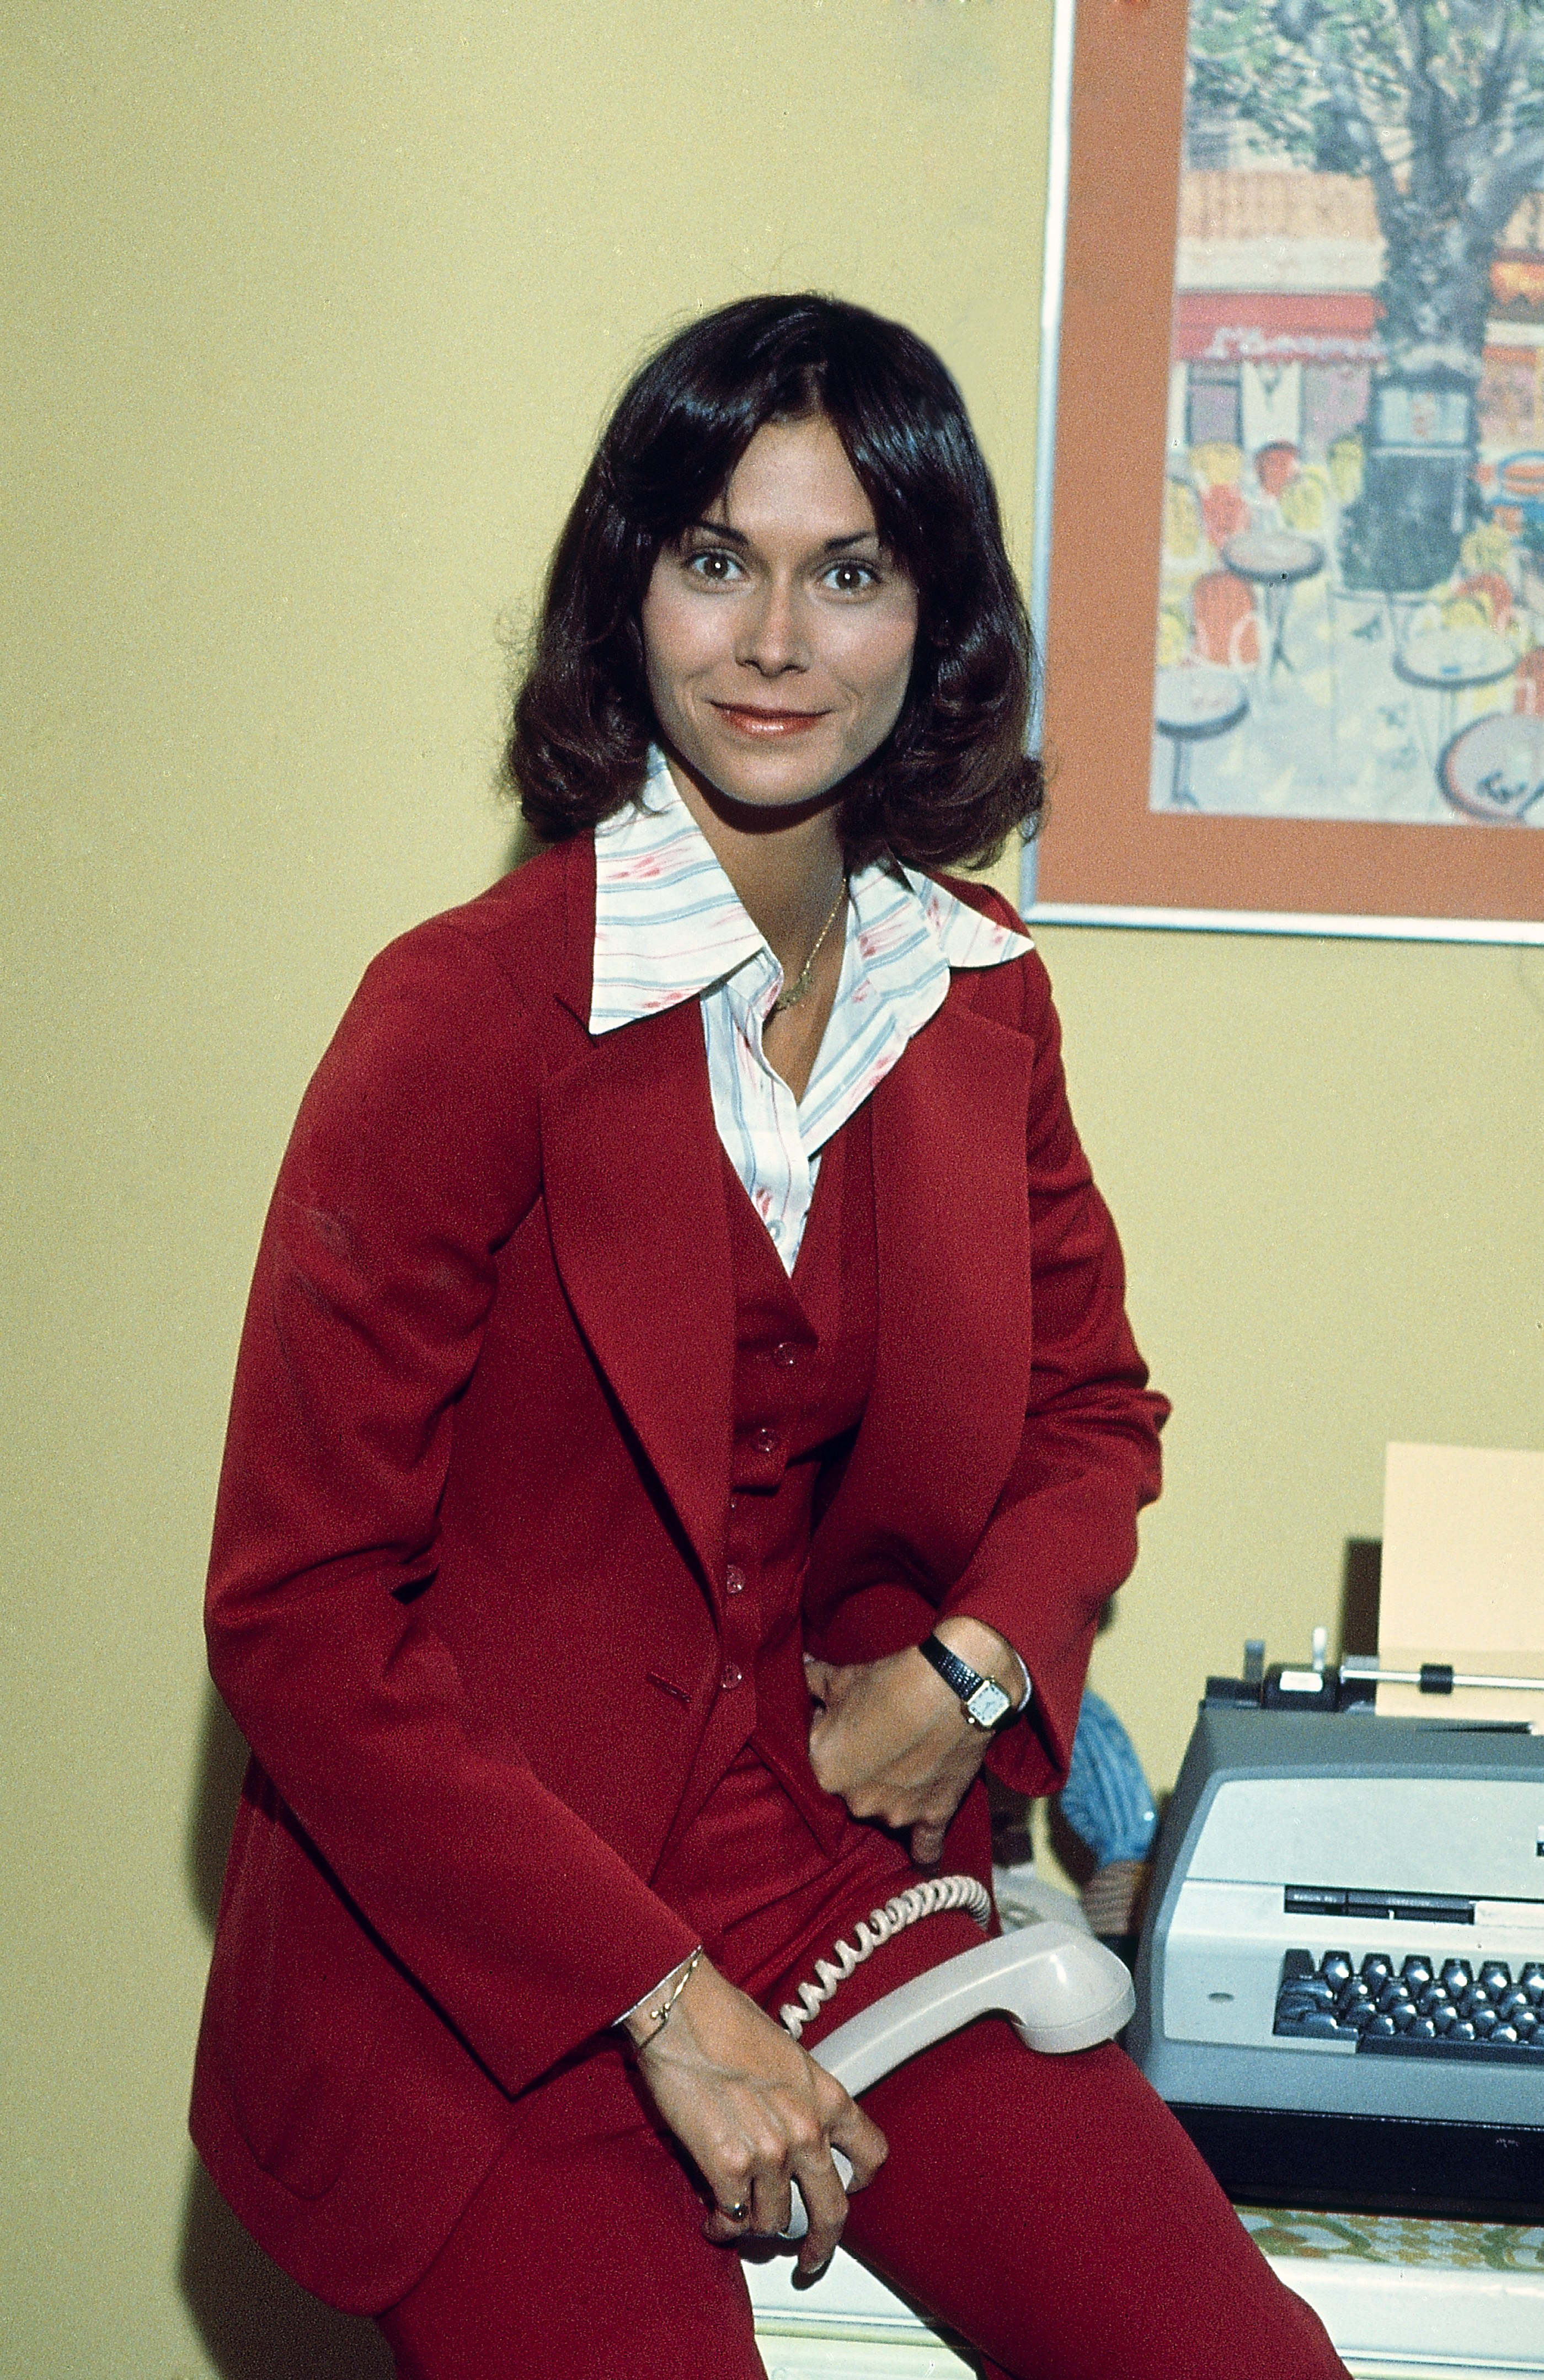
(648, 1496)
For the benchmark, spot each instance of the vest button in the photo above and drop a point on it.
(734, 1580)
(729, 1676)
(764, 1441)
(786, 1351)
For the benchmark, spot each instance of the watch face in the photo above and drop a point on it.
(988, 1704)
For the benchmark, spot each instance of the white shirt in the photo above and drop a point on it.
(670, 927)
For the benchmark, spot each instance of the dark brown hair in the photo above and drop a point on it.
(953, 777)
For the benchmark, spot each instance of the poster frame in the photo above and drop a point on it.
(1105, 857)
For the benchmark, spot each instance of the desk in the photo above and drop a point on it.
(1404, 2298)
(1402, 2295)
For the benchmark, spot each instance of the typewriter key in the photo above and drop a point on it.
(1495, 1978)
(1417, 1973)
(1376, 1969)
(1337, 1969)
(1457, 1975)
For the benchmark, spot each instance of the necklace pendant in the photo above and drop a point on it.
(791, 994)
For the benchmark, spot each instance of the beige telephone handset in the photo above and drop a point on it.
(1059, 1990)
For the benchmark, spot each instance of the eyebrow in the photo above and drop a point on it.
(728, 536)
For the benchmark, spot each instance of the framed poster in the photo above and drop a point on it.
(1294, 597)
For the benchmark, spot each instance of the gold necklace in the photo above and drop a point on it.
(794, 992)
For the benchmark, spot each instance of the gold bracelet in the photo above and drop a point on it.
(663, 2014)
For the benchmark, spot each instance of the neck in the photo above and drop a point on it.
(786, 866)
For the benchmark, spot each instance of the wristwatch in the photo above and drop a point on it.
(984, 1701)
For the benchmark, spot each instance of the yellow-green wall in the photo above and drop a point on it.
(315, 311)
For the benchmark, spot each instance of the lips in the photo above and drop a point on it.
(750, 719)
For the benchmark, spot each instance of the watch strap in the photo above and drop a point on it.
(964, 1681)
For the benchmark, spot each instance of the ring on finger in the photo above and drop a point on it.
(737, 2213)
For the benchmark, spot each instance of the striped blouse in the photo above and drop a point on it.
(669, 927)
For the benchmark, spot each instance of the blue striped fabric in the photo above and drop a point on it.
(669, 927)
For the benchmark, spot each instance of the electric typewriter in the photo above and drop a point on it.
(1340, 1978)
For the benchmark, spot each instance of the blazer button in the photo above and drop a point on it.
(786, 1351)
(765, 1441)
(729, 1676)
(734, 1580)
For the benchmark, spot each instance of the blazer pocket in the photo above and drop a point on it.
(294, 2000)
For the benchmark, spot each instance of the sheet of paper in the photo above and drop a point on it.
(1463, 1577)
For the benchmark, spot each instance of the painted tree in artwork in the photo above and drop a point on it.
(1439, 103)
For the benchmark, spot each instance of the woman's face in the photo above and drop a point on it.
(778, 635)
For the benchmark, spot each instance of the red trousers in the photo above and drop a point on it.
(1048, 2209)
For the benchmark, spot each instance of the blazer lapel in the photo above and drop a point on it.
(635, 1206)
(952, 1357)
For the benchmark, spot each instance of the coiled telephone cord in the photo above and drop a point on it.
(930, 1898)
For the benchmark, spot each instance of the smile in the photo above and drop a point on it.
(750, 719)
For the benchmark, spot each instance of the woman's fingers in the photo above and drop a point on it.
(824, 1681)
(893, 1742)
(825, 2202)
(756, 2113)
(858, 2138)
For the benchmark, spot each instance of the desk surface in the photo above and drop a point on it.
(1403, 2298)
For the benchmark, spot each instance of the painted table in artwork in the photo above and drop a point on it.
(1448, 661)
(1194, 701)
(1274, 559)
(1403, 2298)
(1494, 770)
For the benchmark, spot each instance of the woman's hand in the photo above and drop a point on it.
(891, 1738)
(756, 2113)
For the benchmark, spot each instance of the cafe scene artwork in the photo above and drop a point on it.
(1351, 607)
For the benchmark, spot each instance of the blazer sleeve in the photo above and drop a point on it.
(415, 1157)
(1063, 1536)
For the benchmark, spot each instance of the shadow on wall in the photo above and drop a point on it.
(1359, 1577)
(255, 2322)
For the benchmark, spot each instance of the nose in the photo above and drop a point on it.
(772, 634)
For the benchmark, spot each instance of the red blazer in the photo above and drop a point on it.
(467, 1562)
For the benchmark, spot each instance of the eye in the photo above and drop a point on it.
(714, 563)
(852, 578)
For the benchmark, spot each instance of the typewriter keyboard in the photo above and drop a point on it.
(1433, 2007)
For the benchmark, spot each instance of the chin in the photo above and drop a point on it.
(772, 779)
